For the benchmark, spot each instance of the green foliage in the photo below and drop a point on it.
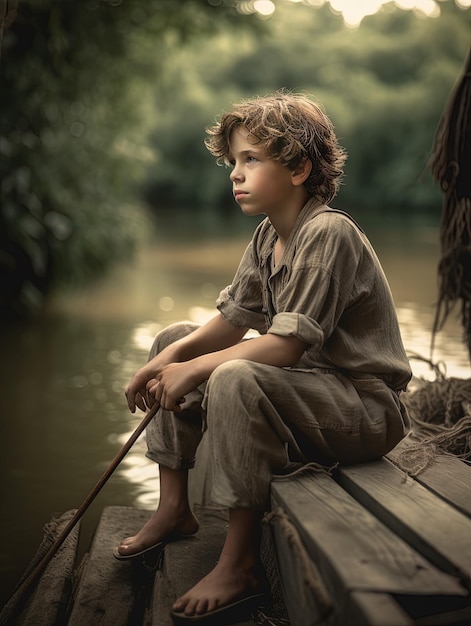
(104, 103)
(384, 85)
(77, 82)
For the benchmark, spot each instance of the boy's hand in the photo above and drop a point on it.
(136, 392)
(169, 388)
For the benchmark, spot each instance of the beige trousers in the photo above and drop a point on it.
(260, 419)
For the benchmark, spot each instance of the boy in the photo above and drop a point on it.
(320, 383)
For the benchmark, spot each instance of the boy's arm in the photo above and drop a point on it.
(216, 334)
(218, 341)
(188, 362)
(270, 349)
(175, 380)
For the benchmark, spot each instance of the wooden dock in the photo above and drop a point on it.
(385, 549)
(363, 546)
(102, 590)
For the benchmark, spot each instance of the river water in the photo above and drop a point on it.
(63, 411)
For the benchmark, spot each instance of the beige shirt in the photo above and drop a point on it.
(329, 290)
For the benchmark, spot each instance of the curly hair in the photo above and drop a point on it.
(291, 127)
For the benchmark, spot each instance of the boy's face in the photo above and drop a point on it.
(261, 186)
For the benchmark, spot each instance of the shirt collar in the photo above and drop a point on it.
(309, 210)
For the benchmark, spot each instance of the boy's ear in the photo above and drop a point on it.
(301, 171)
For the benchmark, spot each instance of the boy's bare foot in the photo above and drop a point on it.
(159, 527)
(228, 582)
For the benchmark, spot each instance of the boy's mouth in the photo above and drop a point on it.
(238, 194)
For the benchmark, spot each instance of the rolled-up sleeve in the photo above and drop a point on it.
(312, 293)
(239, 315)
(241, 302)
(298, 325)
(328, 289)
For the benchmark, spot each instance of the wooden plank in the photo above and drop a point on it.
(300, 603)
(379, 609)
(351, 548)
(434, 528)
(448, 477)
(362, 608)
(109, 591)
(186, 562)
(438, 610)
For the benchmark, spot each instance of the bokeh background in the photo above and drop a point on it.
(115, 220)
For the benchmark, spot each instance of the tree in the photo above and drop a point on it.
(383, 84)
(74, 79)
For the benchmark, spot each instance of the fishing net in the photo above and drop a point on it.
(276, 615)
(41, 604)
(440, 413)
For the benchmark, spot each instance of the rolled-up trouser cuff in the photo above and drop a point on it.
(172, 438)
(171, 461)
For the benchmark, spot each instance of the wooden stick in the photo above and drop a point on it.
(89, 499)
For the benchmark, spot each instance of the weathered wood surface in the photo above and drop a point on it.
(108, 591)
(389, 550)
(186, 562)
(384, 549)
(351, 548)
(134, 594)
(380, 609)
(432, 526)
(448, 477)
(102, 590)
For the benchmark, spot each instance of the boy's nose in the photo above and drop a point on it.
(235, 175)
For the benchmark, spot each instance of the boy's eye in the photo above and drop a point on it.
(232, 162)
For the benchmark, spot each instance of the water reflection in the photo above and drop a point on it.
(141, 473)
(448, 354)
(64, 415)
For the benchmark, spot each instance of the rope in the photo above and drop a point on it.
(450, 165)
(440, 413)
(262, 619)
(420, 455)
(311, 576)
(308, 467)
(51, 531)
